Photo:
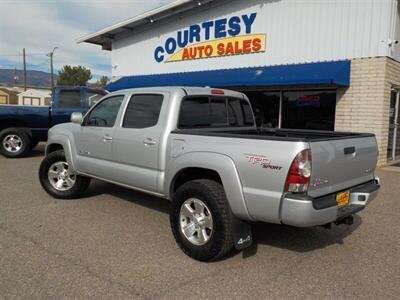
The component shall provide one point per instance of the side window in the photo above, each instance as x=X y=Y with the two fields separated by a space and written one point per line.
x=143 y=111
x=195 y=112
x=105 y=113
x=91 y=98
x=69 y=98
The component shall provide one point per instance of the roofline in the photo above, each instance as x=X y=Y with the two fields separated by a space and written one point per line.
x=144 y=15
x=104 y=35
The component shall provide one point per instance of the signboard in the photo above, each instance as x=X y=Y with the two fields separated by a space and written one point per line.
x=211 y=39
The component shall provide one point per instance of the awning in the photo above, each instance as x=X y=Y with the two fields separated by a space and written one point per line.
x=335 y=73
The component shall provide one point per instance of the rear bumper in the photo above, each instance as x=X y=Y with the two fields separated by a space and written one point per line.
x=305 y=211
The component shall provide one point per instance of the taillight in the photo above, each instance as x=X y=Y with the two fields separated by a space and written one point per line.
x=299 y=175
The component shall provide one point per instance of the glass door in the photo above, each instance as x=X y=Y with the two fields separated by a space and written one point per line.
x=393 y=152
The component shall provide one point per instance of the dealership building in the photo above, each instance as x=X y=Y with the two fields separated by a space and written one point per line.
x=308 y=64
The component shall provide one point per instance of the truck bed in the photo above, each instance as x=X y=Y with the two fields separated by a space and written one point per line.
x=294 y=135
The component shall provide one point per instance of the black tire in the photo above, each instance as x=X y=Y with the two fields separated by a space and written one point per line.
x=24 y=138
x=76 y=191
x=34 y=143
x=213 y=195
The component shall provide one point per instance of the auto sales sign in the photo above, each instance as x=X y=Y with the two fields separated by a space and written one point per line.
x=217 y=38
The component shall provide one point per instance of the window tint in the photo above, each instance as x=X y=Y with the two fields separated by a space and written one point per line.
x=105 y=113
x=68 y=98
x=195 y=112
x=92 y=98
x=143 y=111
x=217 y=112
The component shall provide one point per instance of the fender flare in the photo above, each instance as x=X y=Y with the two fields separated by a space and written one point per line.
x=220 y=163
x=63 y=140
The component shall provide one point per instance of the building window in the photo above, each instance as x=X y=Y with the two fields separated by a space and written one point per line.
x=266 y=108
x=294 y=109
x=309 y=110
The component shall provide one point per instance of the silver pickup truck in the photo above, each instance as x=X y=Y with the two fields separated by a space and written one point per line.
x=200 y=148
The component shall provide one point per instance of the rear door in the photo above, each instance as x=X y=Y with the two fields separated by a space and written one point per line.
x=136 y=144
x=338 y=164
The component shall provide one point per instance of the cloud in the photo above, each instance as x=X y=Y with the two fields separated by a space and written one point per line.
x=41 y=25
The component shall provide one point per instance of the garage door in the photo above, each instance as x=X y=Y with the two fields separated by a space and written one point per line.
x=3 y=99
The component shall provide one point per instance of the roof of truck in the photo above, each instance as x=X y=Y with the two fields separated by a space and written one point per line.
x=188 y=90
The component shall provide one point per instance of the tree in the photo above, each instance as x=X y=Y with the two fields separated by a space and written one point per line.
x=74 y=76
x=102 y=82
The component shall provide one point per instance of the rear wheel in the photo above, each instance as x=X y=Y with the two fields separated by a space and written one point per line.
x=57 y=178
x=201 y=220
x=15 y=142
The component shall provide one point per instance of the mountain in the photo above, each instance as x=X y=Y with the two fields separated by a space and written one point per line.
x=34 y=78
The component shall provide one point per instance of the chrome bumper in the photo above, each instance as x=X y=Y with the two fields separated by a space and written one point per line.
x=304 y=211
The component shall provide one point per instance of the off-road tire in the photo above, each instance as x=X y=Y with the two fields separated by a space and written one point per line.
x=78 y=189
x=25 y=138
x=213 y=195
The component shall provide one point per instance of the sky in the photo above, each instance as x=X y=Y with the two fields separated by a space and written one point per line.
x=40 y=25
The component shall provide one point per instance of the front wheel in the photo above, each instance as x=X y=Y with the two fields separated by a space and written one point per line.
x=57 y=178
x=201 y=220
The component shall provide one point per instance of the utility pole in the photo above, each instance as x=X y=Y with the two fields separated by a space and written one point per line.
x=15 y=76
x=23 y=53
x=51 y=54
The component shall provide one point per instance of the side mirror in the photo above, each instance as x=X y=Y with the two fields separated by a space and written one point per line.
x=77 y=118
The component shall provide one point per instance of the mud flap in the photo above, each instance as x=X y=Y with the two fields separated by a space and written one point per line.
x=242 y=234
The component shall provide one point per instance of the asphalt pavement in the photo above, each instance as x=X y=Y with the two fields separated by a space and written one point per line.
x=117 y=244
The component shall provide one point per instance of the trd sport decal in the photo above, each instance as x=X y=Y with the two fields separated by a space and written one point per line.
x=263 y=161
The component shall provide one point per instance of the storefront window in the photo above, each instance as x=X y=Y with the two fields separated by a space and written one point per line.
x=266 y=108
x=313 y=110
x=309 y=110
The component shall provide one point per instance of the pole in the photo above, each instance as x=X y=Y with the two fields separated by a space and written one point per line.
x=52 y=70
x=15 y=77
x=23 y=53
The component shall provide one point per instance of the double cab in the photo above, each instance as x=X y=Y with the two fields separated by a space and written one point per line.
x=200 y=149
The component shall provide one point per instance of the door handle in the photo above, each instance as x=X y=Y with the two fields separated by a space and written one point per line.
x=149 y=142
x=107 y=138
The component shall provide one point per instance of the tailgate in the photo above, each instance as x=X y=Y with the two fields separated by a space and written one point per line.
x=342 y=163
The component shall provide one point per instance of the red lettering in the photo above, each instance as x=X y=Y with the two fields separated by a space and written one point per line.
x=247 y=46
x=238 y=49
x=201 y=49
x=221 y=49
x=185 y=54
x=193 y=53
x=208 y=50
x=257 y=45
x=229 y=49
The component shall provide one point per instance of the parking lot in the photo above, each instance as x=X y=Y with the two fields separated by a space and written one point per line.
x=116 y=243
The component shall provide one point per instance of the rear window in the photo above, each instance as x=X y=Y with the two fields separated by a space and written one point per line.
x=197 y=112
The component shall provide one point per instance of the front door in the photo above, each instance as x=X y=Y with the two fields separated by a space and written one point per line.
x=94 y=139
x=136 y=143
x=394 y=126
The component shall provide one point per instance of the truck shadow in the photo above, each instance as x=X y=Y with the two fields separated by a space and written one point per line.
x=299 y=239
x=38 y=150
x=275 y=235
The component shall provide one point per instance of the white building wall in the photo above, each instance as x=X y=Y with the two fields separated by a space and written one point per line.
x=298 y=31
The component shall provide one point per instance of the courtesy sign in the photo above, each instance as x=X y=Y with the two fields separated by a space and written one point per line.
x=218 y=38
